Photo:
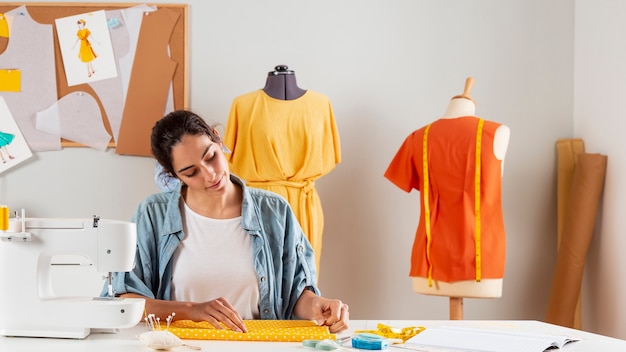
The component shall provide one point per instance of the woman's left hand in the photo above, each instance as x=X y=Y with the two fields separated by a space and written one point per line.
x=324 y=311
x=332 y=313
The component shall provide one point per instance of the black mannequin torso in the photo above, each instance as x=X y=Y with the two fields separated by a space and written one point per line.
x=281 y=84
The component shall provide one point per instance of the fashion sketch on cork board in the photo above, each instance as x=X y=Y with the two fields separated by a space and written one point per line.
x=13 y=146
x=86 y=48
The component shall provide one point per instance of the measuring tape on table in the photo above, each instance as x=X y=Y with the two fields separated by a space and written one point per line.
x=394 y=333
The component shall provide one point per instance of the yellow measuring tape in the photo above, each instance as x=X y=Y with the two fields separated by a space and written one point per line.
x=389 y=332
x=427 y=204
x=479 y=138
x=425 y=193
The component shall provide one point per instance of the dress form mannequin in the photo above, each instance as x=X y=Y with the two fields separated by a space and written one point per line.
x=459 y=106
x=281 y=84
x=464 y=105
x=283 y=139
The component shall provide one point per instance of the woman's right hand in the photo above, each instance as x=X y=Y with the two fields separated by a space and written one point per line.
x=215 y=312
x=218 y=311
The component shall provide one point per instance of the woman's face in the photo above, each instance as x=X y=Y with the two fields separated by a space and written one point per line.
x=200 y=163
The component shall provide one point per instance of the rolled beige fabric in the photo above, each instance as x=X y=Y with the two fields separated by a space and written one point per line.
x=567 y=156
x=578 y=227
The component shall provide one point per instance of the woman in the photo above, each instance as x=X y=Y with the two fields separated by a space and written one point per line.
x=215 y=250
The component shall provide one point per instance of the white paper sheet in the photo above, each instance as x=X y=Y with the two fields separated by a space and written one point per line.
x=483 y=340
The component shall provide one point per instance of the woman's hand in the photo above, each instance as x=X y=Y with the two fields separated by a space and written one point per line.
x=324 y=311
x=332 y=313
x=217 y=311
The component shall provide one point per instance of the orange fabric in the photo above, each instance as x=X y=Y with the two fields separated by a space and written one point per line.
x=258 y=330
x=452 y=169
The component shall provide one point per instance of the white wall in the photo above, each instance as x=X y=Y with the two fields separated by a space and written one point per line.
x=599 y=118
x=389 y=67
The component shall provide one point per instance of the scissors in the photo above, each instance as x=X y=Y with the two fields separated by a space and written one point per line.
x=326 y=344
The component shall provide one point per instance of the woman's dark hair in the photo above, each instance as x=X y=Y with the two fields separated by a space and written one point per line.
x=170 y=130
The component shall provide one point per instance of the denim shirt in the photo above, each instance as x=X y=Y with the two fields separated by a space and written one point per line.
x=283 y=257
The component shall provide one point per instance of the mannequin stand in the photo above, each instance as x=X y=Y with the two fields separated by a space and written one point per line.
x=464 y=106
x=456 y=308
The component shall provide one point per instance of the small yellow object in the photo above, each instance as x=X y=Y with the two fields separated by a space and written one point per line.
x=4 y=218
x=4 y=26
x=394 y=333
x=10 y=80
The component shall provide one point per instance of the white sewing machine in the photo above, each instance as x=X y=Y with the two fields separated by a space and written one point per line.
x=29 y=305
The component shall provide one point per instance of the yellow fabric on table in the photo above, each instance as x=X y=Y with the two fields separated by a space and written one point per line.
x=258 y=330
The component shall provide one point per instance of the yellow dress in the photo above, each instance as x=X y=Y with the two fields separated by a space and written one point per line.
x=284 y=146
x=85 y=53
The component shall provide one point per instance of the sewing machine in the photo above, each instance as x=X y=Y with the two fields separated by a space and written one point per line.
x=29 y=305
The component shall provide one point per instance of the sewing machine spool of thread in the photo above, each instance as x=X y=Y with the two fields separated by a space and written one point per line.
x=16 y=223
x=4 y=218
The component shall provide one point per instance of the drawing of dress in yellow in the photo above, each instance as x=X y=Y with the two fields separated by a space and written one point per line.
x=284 y=146
x=85 y=53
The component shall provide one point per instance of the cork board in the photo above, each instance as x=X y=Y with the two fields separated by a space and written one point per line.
x=46 y=13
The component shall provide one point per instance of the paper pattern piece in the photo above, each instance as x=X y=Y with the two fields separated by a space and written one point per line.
x=13 y=147
x=75 y=117
x=258 y=330
x=149 y=84
x=124 y=35
x=132 y=18
x=110 y=91
x=10 y=80
x=31 y=50
x=86 y=47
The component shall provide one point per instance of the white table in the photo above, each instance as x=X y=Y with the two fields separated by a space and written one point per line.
x=126 y=340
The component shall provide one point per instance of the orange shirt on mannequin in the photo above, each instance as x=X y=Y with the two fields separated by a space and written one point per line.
x=452 y=170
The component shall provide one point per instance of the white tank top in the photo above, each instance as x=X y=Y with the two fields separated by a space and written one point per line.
x=214 y=260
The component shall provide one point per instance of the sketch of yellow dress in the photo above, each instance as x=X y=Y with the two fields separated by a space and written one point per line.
x=86 y=53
